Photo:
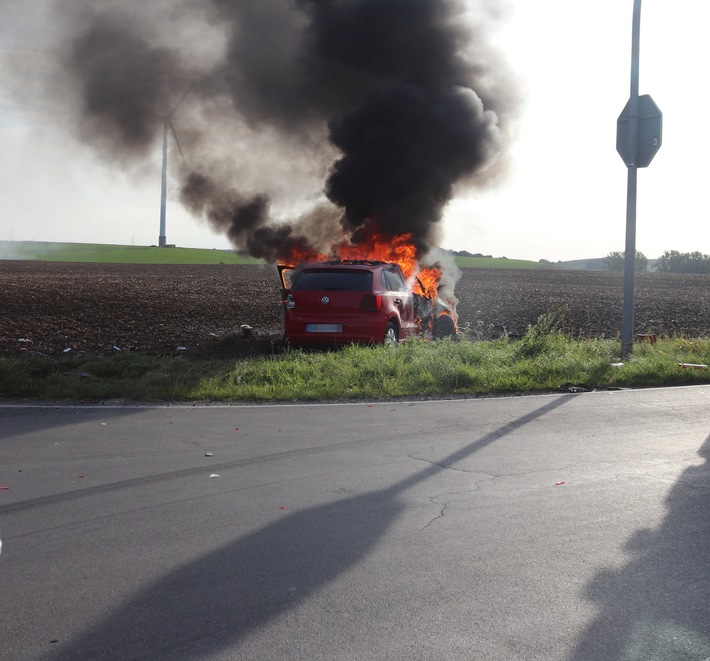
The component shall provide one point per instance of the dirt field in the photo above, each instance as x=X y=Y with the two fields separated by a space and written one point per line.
x=51 y=307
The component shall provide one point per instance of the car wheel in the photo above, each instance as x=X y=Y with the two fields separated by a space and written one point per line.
x=391 y=335
x=444 y=327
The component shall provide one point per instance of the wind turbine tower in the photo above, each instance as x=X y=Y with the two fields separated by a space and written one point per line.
x=162 y=238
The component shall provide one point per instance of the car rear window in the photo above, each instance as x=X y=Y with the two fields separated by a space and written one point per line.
x=333 y=280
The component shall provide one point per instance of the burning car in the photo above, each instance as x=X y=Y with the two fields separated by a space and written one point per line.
x=359 y=301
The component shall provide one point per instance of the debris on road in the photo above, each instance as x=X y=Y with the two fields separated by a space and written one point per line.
x=214 y=475
x=209 y=454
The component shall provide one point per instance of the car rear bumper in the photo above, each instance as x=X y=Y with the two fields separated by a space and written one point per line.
x=360 y=331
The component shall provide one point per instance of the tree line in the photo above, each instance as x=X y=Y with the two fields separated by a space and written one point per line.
x=671 y=261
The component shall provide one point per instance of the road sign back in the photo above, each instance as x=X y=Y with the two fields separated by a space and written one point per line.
x=649 y=133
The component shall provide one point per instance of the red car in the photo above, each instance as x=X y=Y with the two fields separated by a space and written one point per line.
x=343 y=301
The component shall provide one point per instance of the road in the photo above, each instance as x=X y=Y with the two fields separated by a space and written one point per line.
x=570 y=526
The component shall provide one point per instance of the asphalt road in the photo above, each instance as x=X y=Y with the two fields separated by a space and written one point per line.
x=563 y=526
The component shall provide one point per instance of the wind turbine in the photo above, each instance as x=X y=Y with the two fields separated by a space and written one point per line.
x=162 y=239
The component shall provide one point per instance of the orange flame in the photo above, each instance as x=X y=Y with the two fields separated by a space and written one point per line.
x=428 y=282
x=379 y=247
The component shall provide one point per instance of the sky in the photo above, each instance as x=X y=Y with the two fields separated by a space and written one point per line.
x=563 y=196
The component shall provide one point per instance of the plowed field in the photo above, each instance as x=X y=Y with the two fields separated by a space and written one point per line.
x=102 y=308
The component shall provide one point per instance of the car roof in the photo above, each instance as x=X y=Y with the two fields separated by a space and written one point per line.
x=335 y=263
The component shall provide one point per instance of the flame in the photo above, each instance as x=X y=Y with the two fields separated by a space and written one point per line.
x=398 y=249
x=427 y=282
x=380 y=247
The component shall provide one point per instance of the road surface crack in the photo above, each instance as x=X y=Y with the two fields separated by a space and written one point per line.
x=440 y=516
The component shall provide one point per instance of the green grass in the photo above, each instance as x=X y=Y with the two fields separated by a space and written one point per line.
x=494 y=263
x=116 y=254
x=45 y=251
x=537 y=363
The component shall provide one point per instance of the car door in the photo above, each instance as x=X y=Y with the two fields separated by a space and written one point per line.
x=402 y=298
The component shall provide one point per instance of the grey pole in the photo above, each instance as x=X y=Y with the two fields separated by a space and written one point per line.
x=162 y=240
x=627 y=323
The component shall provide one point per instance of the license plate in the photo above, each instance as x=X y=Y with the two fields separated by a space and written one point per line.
x=324 y=328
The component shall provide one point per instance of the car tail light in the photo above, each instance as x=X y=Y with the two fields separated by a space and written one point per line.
x=290 y=302
x=371 y=303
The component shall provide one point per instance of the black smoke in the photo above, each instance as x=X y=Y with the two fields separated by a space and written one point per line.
x=392 y=104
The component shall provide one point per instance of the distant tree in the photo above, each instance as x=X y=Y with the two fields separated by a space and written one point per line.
x=673 y=261
x=614 y=261
x=641 y=261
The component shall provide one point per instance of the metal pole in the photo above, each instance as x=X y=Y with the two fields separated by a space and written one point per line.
x=162 y=239
x=627 y=323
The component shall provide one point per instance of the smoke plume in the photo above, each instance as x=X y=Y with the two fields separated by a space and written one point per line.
x=384 y=107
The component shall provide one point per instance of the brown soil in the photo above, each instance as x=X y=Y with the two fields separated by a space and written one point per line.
x=199 y=310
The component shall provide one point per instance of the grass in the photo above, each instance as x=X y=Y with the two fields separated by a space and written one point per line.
x=495 y=263
x=117 y=254
x=537 y=363
x=44 y=251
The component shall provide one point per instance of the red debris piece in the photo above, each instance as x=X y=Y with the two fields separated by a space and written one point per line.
x=236 y=429
x=282 y=508
x=4 y=488
x=557 y=484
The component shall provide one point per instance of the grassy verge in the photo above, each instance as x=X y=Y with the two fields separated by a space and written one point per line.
x=538 y=362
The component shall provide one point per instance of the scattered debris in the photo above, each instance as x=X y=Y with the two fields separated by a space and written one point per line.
x=646 y=337
x=67 y=350
x=214 y=475
x=23 y=340
x=693 y=366
x=181 y=348
x=574 y=388
x=236 y=429
x=282 y=507
x=209 y=454
x=115 y=348
x=4 y=488
x=617 y=364
x=557 y=484
x=245 y=330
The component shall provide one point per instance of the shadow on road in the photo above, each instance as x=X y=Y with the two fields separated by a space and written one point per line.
x=213 y=602
x=657 y=606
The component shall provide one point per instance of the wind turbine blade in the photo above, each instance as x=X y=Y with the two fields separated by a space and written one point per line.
x=177 y=142
x=182 y=98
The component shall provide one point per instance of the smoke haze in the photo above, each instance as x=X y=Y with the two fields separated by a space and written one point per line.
x=308 y=122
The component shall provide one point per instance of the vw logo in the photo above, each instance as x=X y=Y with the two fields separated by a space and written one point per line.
x=325 y=300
